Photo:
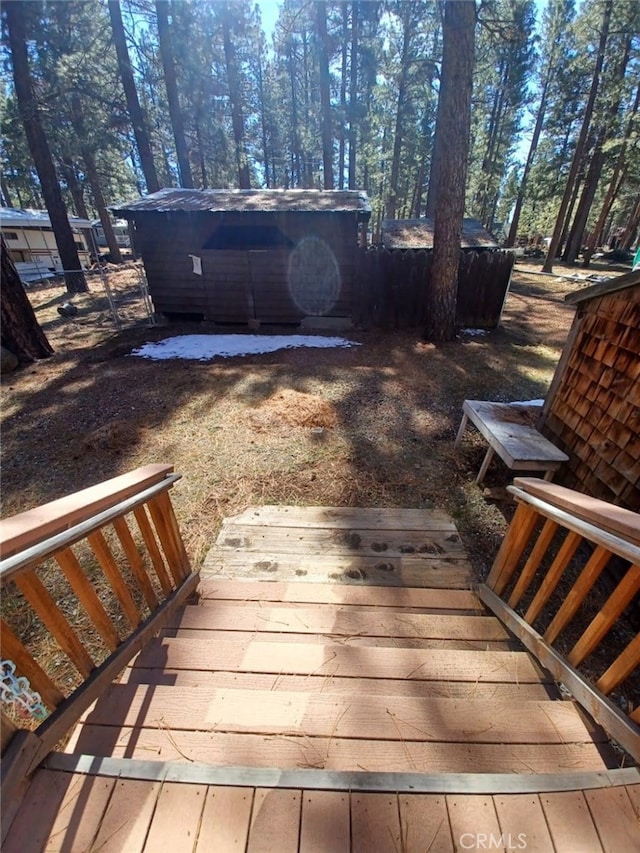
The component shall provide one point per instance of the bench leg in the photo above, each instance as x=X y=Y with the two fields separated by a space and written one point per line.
x=463 y=425
x=548 y=475
x=485 y=464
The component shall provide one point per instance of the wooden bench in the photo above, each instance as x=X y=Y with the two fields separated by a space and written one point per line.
x=510 y=432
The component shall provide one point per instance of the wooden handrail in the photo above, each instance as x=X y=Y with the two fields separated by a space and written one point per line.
x=28 y=528
x=25 y=558
x=543 y=541
x=147 y=573
x=615 y=519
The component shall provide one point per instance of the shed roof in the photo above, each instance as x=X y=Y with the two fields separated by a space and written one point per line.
x=263 y=201
x=418 y=234
x=13 y=217
x=602 y=288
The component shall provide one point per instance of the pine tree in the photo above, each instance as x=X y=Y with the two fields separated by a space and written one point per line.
x=39 y=147
x=454 y=124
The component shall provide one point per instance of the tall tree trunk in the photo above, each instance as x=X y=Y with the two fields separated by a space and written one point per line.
x=533 y=147
x=353 y=96
x=69 y=173
x=325 y=96
x=343 y=96
x=131 y=94
x=584 y=130
x=614 y=183
x=237 y=119
x=631 y=231
x=77 y=119
x=454 y=126
x=263 y=124
x=596 y=165
x=20 y=331
x=175 y=112
x=39 y=148
x=6 y=195
x=392 y=199
x=296 y=174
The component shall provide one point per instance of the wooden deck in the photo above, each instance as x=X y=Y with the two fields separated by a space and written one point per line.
x=386 y=710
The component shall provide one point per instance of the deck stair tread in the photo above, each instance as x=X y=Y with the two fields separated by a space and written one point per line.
x=390 y=547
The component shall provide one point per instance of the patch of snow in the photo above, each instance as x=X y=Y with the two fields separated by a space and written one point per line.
x=528 y=403
x=474 y=331
x=207 y=347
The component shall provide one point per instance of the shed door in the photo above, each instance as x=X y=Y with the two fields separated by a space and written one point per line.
x=270 y=285
x=227 y=281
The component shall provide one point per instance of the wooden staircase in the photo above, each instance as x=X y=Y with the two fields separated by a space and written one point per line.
x=363 y=698
x=340 y=678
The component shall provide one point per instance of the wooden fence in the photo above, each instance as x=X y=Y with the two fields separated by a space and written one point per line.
x=556 y=531
x=391 y=288
x=100 y=571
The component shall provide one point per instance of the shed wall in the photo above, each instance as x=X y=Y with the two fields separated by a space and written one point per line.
x=237 y=285
x=594 y=413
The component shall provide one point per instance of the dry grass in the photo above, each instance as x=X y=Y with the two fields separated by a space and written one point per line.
x=241 y=430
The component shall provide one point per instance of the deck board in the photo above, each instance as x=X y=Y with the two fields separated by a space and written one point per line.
x=615 y=818
x=275 y=821
x=336 y=684
x=570 y=822
x=225 y=820
x=387 y=547
x=425 y=824
x=326 y=822
x=127 y=819
x=338 y=659
x=340 y=754
x=323 y=715
x=176 y=819
x=242 y=591
x=522 y=820
x=305 y=620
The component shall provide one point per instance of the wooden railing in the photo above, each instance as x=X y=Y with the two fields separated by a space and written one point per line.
x=96 y=574
x=541 y=586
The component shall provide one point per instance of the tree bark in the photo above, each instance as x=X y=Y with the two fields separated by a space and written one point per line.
x=69 y=174
x=77 y=119
x=325 y=97
x=454 y=126
x=614 y=183
x=353 y=96
x=6 y=196
x=343 y=97
x=131 y=94
x=595 y=166
x=39 y=148
x=392 y=199
x=533 y=147
x=175 y=112
x=237 y=119
x=584 y=130
x=20 y=330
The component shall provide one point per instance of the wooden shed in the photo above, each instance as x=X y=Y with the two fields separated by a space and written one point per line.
x=241 y=256
x=592 y=410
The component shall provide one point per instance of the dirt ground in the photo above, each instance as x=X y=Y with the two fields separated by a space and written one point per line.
x=393 y=406
x=371 y=425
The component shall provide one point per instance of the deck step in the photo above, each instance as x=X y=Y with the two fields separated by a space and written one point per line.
x=333 y=658
x=345 y=545
x=272 y=619
x=361 y=716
